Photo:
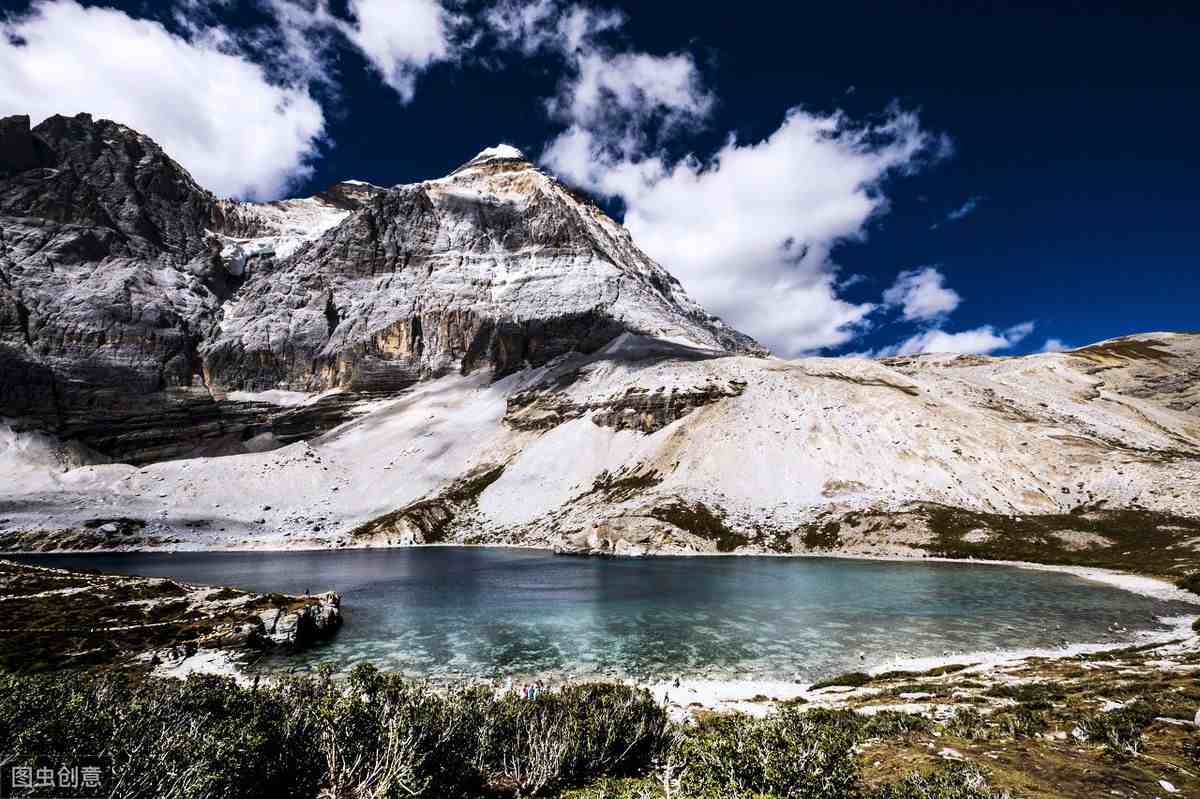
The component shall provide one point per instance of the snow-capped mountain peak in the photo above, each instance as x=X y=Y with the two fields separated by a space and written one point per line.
x=501 y=152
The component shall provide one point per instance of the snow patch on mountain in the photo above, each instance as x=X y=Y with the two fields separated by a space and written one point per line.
x=282 y=228
x=499 y=152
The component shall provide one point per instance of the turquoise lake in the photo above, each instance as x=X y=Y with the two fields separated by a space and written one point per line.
x=452 y=612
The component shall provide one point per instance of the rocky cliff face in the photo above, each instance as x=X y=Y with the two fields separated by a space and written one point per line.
x=149 y=320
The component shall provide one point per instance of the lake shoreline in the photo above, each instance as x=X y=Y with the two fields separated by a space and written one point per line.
x=1154 y=586
x=730 y=692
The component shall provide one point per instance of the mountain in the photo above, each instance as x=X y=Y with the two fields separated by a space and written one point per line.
x=143 y=317
x=488 y=358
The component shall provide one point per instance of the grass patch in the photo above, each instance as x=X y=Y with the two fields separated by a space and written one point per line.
x=1143 y=541
x=620 y=487
x=822 y=536
x=699 y=520
x=852 y=679
x=1036 y=696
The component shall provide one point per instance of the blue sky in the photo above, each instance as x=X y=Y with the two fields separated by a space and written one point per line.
x=850 y=177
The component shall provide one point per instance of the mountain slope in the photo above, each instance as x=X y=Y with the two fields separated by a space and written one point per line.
x=134 y=304
x=650 y=446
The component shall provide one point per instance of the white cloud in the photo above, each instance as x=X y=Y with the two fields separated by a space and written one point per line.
x=979 y=341
x=400 y=38
x=620 y=96
x=531 y=26
x=958 y=213
x=213 y=110
x=1055 y=345
x=750 y=231
x=921 y=294
x=622 y=90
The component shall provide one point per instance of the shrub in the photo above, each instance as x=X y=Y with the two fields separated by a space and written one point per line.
x=581 y=732
x=1035 y=695
x=1120 y=731
x=1021 y=722
x=794 y=754
x=373 y=734
x=853 y=679
x=954 y=781
x=890 y=724
x=968 y=723
x=202 y=737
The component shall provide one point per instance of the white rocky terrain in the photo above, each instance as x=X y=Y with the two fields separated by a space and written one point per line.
x=488 y=358
x=645 y=446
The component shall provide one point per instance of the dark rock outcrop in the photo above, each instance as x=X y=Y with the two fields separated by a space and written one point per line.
x=297 y=629
x=639 y=410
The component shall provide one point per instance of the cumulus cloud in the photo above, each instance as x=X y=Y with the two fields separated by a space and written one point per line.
x=921 y=294
x=623 y=97
x=982 y=340
x=748 y=230
x=213 y=110
x=1055 y=345
x=400 y=38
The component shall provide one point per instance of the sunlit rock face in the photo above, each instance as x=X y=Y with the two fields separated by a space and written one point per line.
x=149 y=320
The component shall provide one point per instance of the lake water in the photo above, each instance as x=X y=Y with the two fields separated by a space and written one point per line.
x=446 y=612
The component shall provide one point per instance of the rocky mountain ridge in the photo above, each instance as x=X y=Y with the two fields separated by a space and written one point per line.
x=133 y=303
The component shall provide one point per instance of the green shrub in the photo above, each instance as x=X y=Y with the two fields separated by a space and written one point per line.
x=853 y=679
x=1120 y=731
x=891 y=724
x=378 y=735
x=793 y=754
x=578 y=733
x=1035 y=695
x=203 y=737
x=954 y=781
x=968 y=723
x=1022 y=721
x=373 y=734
